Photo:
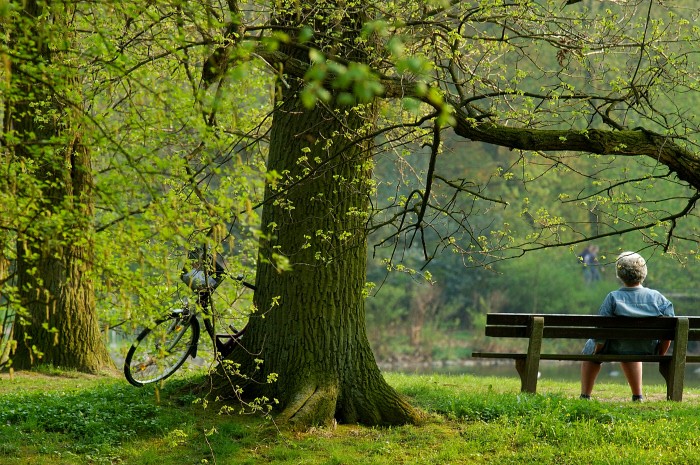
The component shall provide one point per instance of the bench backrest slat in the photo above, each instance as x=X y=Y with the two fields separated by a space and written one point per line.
x=582 y=332
x=515 y=319
x=589 y=326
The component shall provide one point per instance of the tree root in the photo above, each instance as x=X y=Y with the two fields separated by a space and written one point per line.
x=313 y=405
x=320 y=405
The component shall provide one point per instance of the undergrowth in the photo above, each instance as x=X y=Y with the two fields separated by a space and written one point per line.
x=75 y=419
x=105 y=415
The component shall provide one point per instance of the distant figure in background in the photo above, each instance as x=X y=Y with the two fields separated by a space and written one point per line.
x=589 y=259
x=632 y=300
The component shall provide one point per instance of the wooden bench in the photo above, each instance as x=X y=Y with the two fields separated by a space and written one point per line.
x=536 y=327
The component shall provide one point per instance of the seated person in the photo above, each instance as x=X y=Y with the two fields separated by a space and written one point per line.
x=632 y=300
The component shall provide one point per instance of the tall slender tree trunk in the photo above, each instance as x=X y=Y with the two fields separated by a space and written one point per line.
x=5 y=310
x=58 y=324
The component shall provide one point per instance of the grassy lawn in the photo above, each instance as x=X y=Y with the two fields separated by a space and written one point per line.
x=69 y=418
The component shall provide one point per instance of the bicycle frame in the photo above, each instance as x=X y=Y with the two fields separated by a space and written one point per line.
x=206 y=304
x=161 y=349
x=186 y=315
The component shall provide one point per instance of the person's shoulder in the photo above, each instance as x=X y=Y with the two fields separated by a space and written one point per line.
x=608 y=305
x=617 y=294
x=624 y=290
x=659 y=298
x=612 y=294
x=653 y=292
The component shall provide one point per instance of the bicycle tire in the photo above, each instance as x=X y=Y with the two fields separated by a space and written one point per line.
x=158 y=352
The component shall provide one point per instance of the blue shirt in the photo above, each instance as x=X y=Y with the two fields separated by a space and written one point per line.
x=634 y=302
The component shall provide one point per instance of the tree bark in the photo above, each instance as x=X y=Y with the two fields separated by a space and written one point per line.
x=310 y=330
x=58 y=324
x=629 y=143
x=312 y=335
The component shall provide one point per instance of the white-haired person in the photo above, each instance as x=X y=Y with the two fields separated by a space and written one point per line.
x=632 y=300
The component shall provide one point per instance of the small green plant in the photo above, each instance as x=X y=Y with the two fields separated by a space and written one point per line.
x=101 y=417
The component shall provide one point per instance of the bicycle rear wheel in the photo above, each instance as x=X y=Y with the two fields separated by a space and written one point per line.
x=159 y=351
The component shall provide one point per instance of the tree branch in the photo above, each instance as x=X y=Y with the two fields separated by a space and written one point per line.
x=636 y=142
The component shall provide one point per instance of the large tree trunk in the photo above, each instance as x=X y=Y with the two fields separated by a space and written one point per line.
x=58 y=324
x=310 y=330
x=313 y=331
x=61 y=327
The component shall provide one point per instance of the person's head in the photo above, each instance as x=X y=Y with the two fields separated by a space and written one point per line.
x=631 y=268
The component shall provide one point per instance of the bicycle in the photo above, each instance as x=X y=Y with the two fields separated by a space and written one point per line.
x=160 y=350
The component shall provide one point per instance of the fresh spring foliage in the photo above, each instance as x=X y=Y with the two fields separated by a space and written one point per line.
x=163 y=111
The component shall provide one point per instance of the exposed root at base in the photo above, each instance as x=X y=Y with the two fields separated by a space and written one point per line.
x=312 y=406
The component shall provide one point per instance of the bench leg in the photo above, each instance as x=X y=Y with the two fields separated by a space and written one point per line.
x=520 y=366
x=528 y=369
x=673 y=371
x=665 y=370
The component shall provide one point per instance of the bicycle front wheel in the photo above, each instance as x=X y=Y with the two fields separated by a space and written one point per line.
x=159 y=351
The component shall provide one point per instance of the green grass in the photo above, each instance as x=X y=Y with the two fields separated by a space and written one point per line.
x=67 y=418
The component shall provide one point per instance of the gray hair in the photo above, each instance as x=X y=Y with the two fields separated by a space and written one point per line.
x=631 y=268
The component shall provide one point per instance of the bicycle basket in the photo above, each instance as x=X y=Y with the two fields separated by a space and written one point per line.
x=203 y=271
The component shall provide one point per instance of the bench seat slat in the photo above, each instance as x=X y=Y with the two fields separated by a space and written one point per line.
x=578 y=357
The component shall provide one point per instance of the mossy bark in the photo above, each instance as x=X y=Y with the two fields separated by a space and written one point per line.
x=310 y=326
x=627 y=143
x=310 y=329
x=60 y=327
x=58 y=324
